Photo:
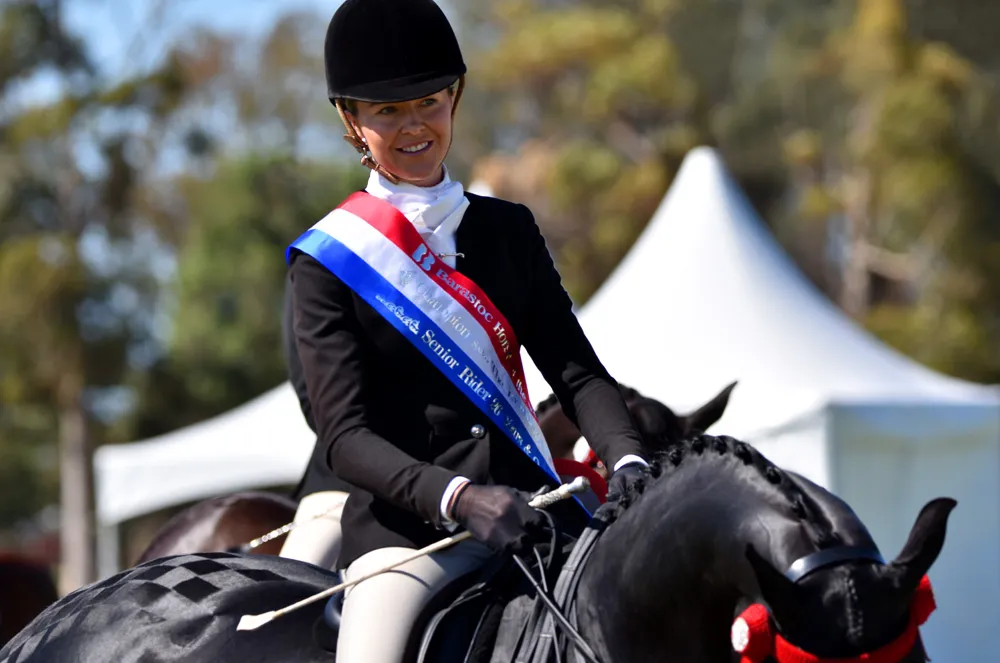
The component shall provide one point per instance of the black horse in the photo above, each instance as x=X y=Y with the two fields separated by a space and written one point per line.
x=720 y=530
x=658 y=425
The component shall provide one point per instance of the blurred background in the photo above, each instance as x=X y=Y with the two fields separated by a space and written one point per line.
x=156 y=156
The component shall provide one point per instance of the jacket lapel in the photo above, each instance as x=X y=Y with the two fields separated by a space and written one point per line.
x=485 y=262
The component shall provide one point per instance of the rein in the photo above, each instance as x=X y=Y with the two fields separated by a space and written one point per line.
x=756 y=639
x=539 y=641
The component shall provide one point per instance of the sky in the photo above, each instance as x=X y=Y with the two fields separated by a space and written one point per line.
x=109 y=28
x=126 y=37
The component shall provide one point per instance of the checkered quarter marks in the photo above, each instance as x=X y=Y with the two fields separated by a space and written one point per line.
x=182 y=601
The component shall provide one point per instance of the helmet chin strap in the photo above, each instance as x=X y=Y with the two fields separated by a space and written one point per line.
x=359 y=144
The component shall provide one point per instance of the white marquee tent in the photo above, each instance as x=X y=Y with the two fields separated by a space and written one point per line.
x=262 y=443
x=705 y=297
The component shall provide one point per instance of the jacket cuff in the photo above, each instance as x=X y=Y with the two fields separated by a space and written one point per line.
x=446 y=498
x=628 y=460
x=435 y=482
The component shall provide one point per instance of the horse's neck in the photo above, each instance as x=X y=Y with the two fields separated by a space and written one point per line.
x=675 y=563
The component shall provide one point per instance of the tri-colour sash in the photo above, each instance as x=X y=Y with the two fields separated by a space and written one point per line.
x=377 y=253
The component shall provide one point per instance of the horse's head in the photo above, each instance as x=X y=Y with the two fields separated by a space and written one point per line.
x=660 y=427
x=848 y=607
x=722 y=538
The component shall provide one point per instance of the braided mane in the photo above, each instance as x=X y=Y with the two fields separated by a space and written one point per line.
x=704 y=448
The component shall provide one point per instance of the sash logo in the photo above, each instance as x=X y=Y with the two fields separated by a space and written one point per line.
x=423 y=257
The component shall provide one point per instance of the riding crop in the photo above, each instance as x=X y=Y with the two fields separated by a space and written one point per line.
x=252 y=622
x=285 y=529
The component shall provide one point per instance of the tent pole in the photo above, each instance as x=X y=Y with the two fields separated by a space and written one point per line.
x=108 y=550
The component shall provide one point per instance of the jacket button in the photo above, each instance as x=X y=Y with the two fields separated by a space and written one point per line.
x=478 y=431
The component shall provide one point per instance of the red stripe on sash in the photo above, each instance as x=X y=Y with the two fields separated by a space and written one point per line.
x=390 y=222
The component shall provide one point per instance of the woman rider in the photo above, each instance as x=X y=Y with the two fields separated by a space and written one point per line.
x=410 y=302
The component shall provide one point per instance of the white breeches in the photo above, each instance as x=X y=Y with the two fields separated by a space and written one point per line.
x=380 y=612
x=316 y=540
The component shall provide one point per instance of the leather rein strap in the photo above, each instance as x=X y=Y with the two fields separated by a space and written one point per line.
x=539 y=643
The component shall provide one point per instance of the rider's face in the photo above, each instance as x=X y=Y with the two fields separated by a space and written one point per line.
x=409 y=138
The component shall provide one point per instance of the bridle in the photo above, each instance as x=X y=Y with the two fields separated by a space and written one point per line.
x=756 y=638
x=754 y=634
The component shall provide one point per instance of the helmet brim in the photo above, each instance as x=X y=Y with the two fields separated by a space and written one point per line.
x=383 y=92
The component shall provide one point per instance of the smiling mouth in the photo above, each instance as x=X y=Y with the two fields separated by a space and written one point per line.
x=419 y=148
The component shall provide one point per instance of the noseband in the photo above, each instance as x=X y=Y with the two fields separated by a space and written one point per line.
x=756 y=638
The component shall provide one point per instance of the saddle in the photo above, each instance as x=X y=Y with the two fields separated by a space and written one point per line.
x=495 y=615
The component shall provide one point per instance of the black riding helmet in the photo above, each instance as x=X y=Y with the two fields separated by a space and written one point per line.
x=390 y=50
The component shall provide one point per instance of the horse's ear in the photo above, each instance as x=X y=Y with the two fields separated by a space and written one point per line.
x=924 y=544
x=781 y=594
x=701 y=419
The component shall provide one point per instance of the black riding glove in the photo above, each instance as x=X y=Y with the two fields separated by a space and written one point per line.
x=628 y=482
x=499 y=517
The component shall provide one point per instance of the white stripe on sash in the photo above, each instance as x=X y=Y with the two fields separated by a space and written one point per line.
x=440 y=306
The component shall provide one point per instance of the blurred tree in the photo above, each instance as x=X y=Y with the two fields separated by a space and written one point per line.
x=870 y=150
x=93 y=213
x=968 y=26
x=75 y=284
x=32 y=38
x=605 y=87
x=890 y=163
x=225 y=345
x=268 y=176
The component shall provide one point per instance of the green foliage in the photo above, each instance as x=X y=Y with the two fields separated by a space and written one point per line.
x=88 y=219
x=908 y=140
x=610 y=95
x=829 y=111
x=946 y=338
x=23 y=488
x=73 y=291
x=542 y=45
x=31 y=37
x=225 y=344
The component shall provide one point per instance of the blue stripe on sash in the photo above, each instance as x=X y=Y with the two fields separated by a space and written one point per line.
x=411 y=322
